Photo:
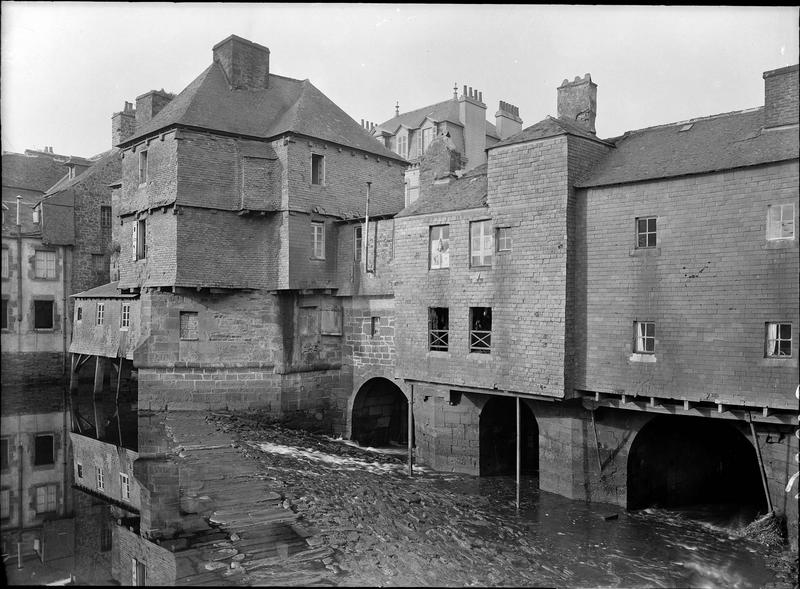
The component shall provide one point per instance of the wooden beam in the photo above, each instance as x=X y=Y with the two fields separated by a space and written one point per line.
x=775 y=417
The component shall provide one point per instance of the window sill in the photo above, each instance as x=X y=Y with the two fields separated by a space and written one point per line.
x=780 y=244
x=44 y=329
x=778 y=362
x=313 y=259
x=639 y=252
x=443 y=268
x=437 y=354
x=645 y=358
x=479 y=268
x=479 y=356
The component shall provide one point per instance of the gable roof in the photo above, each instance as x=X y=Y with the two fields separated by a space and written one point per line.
x=109 y=290
x=467 y=192
x=287 y=105
x=719 y=142
x=548 y=127
x=447 y=110
x=94 y=165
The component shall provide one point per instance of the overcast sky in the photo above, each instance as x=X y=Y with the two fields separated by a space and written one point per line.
x=66 y=67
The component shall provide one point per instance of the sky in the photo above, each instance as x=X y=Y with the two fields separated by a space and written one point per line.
x=67 y=66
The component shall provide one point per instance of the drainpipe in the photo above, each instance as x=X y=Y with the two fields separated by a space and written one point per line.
x=19 y=278
x=365 y=237
x=64 y=253
x=20 y=458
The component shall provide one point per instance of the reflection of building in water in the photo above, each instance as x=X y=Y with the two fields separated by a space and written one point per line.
x=35 y=493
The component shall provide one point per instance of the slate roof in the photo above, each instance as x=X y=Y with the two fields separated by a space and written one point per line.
x=719 y=142
x=287 y=105
x=94 y=164
x=548 y=127
x=467 y=192
x=31 y=172
x=104 y=291
x=441 y=111
x=28 y=227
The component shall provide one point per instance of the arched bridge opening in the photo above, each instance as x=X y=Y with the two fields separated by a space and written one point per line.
x=498 y=438
x=380 y=414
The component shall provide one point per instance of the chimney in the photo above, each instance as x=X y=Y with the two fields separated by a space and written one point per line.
x=780 y=97
x=439 y=163
x=507 y=121
x=472 y=114
x=577 y=102
x=246 y=64
x=149 y=104
x=123 y=124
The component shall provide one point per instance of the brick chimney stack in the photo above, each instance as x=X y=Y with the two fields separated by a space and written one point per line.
x=780 y=96
x=472 y=113
x=123 y=124
x=246 y=64
x=150 y=104
x=577 y=102
x=507 y=120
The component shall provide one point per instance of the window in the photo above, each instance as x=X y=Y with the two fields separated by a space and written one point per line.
x=98 y=263
x=374 y=323
x=427 y=139
x=438 y=328
x=412 y=187
x=318 y=235
x=44 y=264
x=4 y=457
x=481 y=243
x=780 y=221
x=504 y=239
x=79 y=314
x=80 y=470
x=4 y=318
x=98 y=477
x=138 y=573
x=779 y=340
x=43 y=451
x=402 y=145
x=5 y=263
x=5 y=503
x=43 y=314
x=125 y=317
x=105 y=217
x=645 y=232
x=124 y=486
x=189 y=325
x=143 y=167
x=317 y=169
x=101 y=309
x=357 y=243
x=645 y=337
x=440 y=246
x=45 y=499
x=480 y=330
x=105 y=536
x=140 y=239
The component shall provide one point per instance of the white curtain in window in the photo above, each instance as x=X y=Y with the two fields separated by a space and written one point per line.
x=772 y=339
x=640 y=337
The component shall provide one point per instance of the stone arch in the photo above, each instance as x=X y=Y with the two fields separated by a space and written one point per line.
x=378 y=414
x=497 y=438
x=678 y=461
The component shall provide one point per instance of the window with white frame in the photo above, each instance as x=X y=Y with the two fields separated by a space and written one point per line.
x=98 y=478
x=481 y=243
x=645 y=232
x=438 y=328
x=439 y=242
x=44 y=263
x=143 y=167
x=6 y=268
x=317 y=169
x=644 y=337
x=124 y=486
x=318 y=237
x=779 y=340
x=138 y=573
x=45 y=499
x=358 y=232
x=480 y=330
x=101 y=308
x=780 y=221
x=139 y=244
x=504 y=239
x=125 y=317
x=402 y=145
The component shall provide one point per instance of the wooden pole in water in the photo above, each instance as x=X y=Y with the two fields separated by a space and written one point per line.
x=116 y=401
x=410 y=429
x=519 y=449
x=597 y=446
x=760 y=461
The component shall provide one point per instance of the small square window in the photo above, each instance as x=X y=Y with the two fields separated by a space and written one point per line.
x=480 y=331
x=438 y=328
x=101 y=309
x=43 y=314
x=317 y=169
x=481 y=243
x=779 y=340
x=189 y=325
x=143 y=167
x=44 y=264
x=504 y=239
x=644 y=337
x=780 y=221
x=45 y=499
x=44 y=452
x=318 y=237
x=645 y=232
x=125 y=316
x=439 y=246
x=374 y=324
x=105 y=217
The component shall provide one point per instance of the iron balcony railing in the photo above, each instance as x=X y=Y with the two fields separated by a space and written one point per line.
x=480 y=341
x=438 y=339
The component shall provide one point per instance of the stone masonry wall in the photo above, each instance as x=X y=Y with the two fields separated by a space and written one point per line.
x=711 y=285
x=159 y=562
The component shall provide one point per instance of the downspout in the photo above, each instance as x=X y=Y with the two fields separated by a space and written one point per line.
x=19 y=278
x=365 y=233
x=21 y=502
x=66 y=254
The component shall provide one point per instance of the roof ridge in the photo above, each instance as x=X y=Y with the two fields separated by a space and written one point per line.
x=693 y=120
x=416 y=110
